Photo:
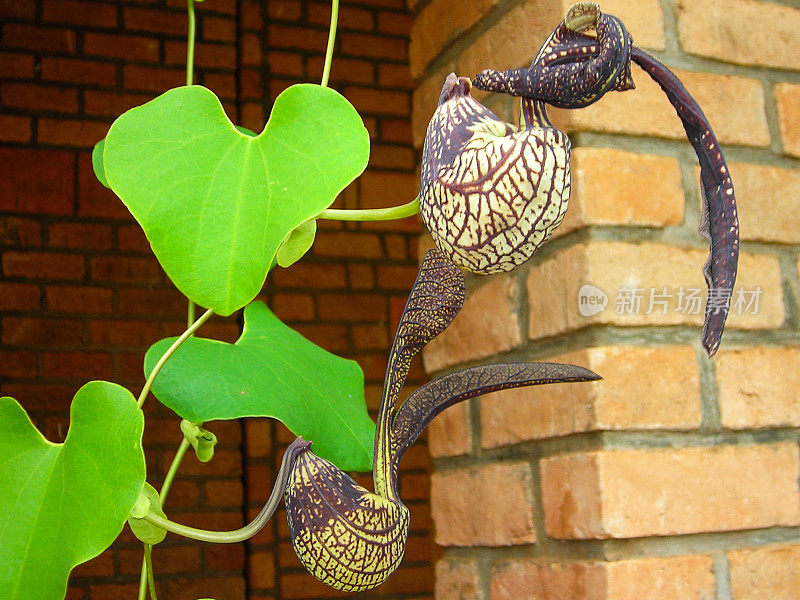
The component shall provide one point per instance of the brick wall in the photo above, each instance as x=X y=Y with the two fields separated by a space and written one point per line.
x=675 y=477
x=82 y=296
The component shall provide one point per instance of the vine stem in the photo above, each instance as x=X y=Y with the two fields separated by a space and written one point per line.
x=372 y=214
x=170 y=351
x=189 y=80
x=190 y=43
x=148 y=560
x=326 y=71
x=229 y=537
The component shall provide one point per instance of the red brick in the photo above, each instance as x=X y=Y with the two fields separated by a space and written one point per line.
x=396 y=24
x=300 y=38
x=128 y=47
x=78 y=299
x=224 y=557
x=348 y=70
x=124 y=268
x=77 y=365
x=374 y=101
x=113 y=591
x=19 y=232
x=17 y=364
x=214 y=56
x=153 y=79
x=285 y=63
x=15 y=129
x=19 y=296
x=17 y=9
x=396 y=130
x=146 y=301
x=79 y=235
x=36 y=181
x=76 y=134
x=155 y=21
x=284 y=10
x=30 y=331
x=224 y=493
x=351 y=307
x=396 y=277
x=34 y=97
x=250 y=14
x=111 y=104
x=395 y=76
x=14 y=65
x=123 y=334
x=219 y=29
x=224 y=85
x=380 y=189
x=361 y=277
x=350 y=17
x=100 y=566
x=79 y=12
x=94 y=200
x=346 y=244
x=43 y=265
x=293 y=307
x=38 y=38
x=75 y=70
x=392 y=157
x=362 y=44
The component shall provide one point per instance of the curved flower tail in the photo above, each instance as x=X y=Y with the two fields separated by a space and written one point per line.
x=432 y=398
x=719 y=223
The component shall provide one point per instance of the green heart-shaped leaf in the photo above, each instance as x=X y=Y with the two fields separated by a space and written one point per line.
x=271 y=371
x=216 y=203
x=63 y=504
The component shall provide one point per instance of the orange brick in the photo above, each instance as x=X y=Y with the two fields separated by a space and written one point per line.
x=457 y=580
x=639 y=493
x=758 y=387
x=554 y=285
x=469 y=511
x=472 y=335
x=437 y=25
x=614 y=187
x=788 y=97
x=380 y=189
x=293 y=307
x=641 y=389
x=740 y=31
x=765 y=196
x=674 y=578
x=734 y=106
x=513 y=41
x=766 y=573
x=643 y=19
x=347 y=244
x=424 y=102
x=450 y=433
